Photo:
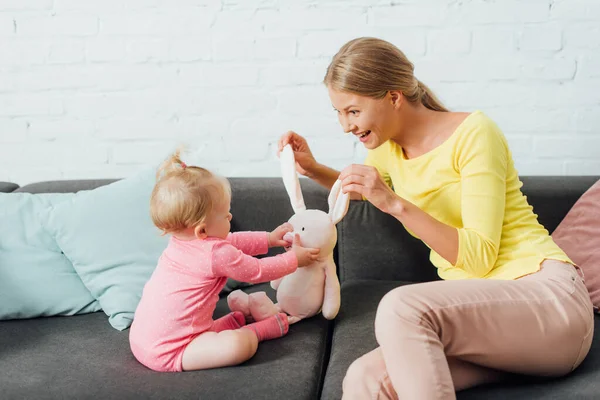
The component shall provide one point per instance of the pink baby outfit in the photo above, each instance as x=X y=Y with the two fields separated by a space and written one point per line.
x=180 y=297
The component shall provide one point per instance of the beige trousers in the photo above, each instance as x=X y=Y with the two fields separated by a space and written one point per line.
x=437 y=338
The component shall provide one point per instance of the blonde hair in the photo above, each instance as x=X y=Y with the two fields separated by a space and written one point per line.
x=372 y=67
x=185 y=195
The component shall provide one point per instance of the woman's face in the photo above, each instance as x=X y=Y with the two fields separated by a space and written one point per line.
x=370 y=120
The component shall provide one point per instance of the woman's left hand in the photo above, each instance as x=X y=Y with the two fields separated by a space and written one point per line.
x=366 y=181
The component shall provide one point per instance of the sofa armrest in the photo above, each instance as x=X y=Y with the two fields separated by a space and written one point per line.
x=375 y=245
x=7 y=187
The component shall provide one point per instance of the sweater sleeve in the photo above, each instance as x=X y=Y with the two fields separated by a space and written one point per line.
x=251 y=243
x=482 y=158
x=231 y=262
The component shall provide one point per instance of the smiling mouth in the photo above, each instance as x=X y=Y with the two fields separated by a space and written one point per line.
x=363 y=135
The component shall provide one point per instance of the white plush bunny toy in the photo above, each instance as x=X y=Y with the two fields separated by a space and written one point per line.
x=314 y=287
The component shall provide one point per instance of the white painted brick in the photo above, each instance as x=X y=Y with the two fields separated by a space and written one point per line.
x=333 y=149
x=231 y=103
x=269 y=168
x=588 y=120
x=19 y=5
x=63 y=24
x=190 y=49
x=195 y=130
x=47 y=78
x=409 y=15
x=61 y=129
x=233 y=50
x=293 y=74
x=455 y=41
x=540 y=37
x=214 y=75
x=208 y=154
x=7 y=26
x=549 y=69
x=159 y=23
x=493 y=40
x=527 y=166
x=18 y=52
x=54 y=153
x=411 y=41
x=466 y=69
x=133 y=4
x=589 y=67
x=29 y=105
x=13 y=130
x=148 y=50
x=582 y=36
x=133 y=78
x=245 y=149
x=249 y=4
x=66 y=52
x=232 y=25
x=575 y=10
x=591 y=168
x=141 y=153
x=305 y=101
x=274 y=48
x=270 y=127
x=521 y=146
x=106 y=49
x=105 y=105
x=515 y=119
x=312 y=19
x=498 y=12
x=568 y=146
x=136 y=129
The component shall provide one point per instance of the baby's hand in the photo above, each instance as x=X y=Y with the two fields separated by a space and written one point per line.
x=305 y=255
x=276 y=237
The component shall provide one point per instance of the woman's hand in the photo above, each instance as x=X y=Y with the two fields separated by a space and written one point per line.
x=366 y=181
x=305 y=161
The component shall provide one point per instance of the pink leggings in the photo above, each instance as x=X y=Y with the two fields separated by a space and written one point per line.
x=436 y=338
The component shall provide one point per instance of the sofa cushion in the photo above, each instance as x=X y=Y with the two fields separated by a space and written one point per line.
x=36 y=279
x=354 y=336
x=83 y=357
x=579 y=236
x=108 y=235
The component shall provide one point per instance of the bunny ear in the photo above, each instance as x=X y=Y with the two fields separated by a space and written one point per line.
x=338 y=202
x=290 y=178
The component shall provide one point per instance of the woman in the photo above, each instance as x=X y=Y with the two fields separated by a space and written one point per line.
x=510 y=299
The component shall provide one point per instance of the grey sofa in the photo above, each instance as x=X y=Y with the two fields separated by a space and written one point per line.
x=82 y=357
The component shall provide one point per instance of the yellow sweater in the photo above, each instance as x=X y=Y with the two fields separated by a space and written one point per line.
x=469 y=182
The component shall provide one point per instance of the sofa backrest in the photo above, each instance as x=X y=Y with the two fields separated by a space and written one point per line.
x=374 y=245
x=257 y=203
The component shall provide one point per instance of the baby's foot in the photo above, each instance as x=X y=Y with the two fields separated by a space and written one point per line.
x=273 y=327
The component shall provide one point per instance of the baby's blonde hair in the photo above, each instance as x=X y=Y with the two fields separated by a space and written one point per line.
x=185 y=195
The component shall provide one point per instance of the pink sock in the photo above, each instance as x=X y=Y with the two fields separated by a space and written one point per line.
x=233 y=320
x=273 y=327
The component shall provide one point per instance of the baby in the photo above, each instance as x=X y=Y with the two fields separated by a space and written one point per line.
x=173 y=328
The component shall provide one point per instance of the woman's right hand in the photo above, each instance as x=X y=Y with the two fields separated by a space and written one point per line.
x=305 y=161
x=305 y=255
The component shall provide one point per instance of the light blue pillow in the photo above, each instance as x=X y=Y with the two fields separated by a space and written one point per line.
x=108 y=235
x=36 y=279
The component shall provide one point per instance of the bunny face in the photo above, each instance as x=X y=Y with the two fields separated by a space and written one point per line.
x=315 y=229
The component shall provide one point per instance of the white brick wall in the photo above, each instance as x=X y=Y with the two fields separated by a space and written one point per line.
x=101 y=88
